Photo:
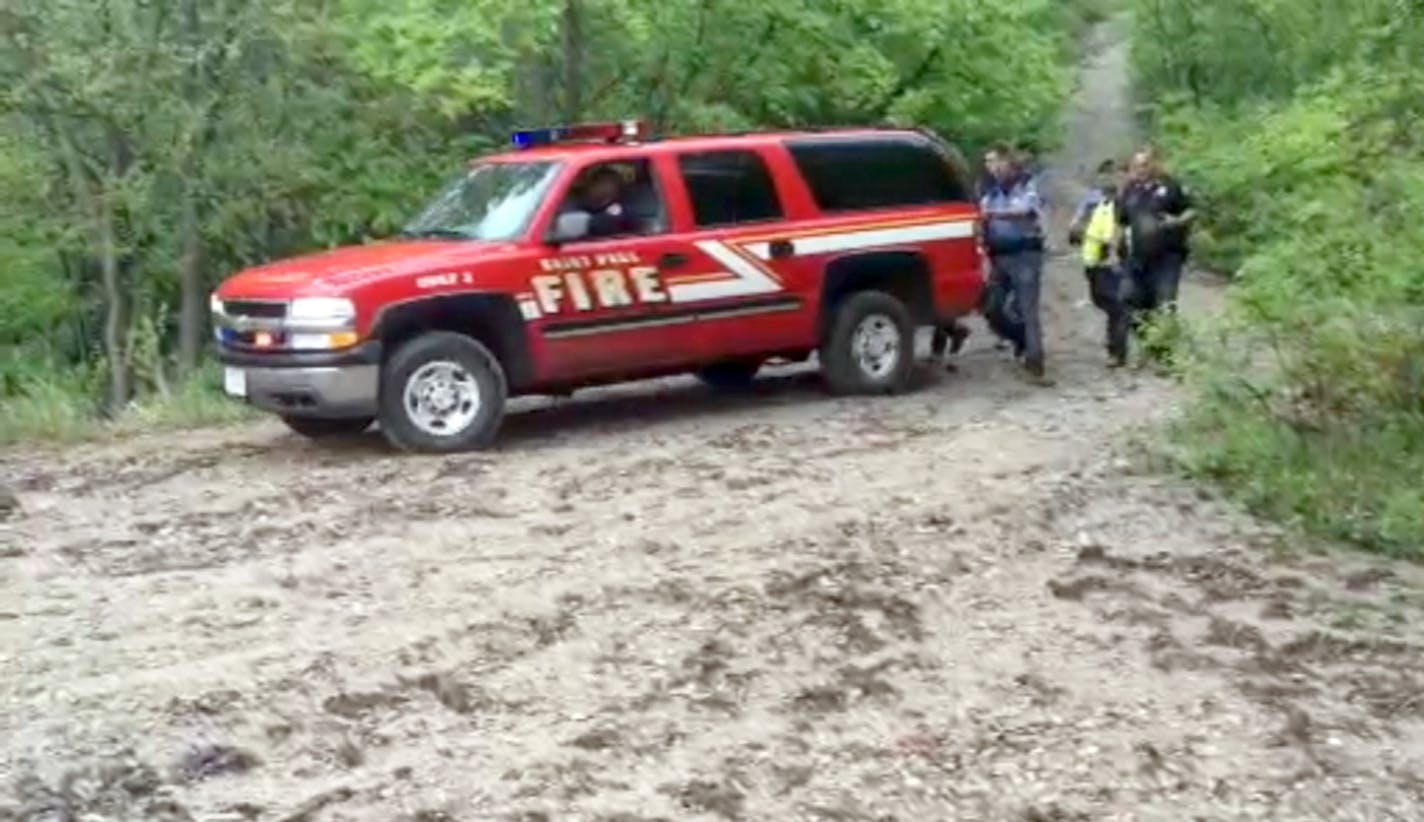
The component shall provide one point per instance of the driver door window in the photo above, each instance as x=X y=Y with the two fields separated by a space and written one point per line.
x=621 y=200
x=606 y=303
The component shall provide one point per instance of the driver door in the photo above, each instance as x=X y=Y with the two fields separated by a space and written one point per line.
x=602 y=301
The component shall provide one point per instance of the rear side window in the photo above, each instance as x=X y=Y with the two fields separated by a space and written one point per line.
x=847 y=175
x=729 y=187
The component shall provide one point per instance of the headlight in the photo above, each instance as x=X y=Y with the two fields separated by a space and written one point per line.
x=324 y=310
x=214 y=304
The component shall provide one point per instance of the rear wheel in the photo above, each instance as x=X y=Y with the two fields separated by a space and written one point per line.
x=869 y=349
x=320 y=428
x=442 y=392
x=732 y=375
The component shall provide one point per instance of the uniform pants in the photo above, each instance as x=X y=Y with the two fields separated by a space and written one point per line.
x=1154 y=284
x=1107 y=285
x=1018 y=276
x=1154 y=293
x=1000 y=312
x=942 y=335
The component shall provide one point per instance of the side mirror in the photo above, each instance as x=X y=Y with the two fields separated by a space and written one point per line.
x=570 y=226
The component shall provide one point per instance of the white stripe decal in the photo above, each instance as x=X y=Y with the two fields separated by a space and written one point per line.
x=856 y=240
x=749 y=281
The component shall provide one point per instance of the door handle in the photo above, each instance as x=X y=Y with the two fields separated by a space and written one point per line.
x=780 y=249
x=672 y=260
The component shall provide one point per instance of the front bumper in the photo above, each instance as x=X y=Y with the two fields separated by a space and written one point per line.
x=333 y=385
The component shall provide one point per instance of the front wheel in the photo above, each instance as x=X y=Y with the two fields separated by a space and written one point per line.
x=321 y=428
x=442 y=392
x=869 y=349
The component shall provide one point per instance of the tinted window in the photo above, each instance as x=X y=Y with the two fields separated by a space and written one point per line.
x=729 y=187
x=882 y=173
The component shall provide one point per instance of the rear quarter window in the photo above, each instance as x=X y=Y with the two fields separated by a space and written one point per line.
x=729 y=188
x=851 y=175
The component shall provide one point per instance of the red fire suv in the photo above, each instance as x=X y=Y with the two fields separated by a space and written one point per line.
x=589 y=255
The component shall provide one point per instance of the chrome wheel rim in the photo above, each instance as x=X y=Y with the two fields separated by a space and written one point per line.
x=875 y=343
x=442 y=398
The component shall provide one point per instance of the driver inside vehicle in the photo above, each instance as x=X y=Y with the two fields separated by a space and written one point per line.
x=600 y=195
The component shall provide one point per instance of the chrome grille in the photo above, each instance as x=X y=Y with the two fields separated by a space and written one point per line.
x=256 y=309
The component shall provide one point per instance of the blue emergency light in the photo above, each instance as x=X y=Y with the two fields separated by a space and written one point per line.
x=629 y=130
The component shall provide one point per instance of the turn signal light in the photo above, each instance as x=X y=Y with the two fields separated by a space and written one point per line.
x=323 y=342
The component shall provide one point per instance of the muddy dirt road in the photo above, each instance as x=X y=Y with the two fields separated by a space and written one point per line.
x=966 y=603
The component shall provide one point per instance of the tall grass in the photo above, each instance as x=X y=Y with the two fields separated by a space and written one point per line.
x=61 y=407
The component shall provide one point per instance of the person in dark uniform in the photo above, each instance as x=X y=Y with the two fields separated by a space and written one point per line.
x=1013 y=215
x=602 y=197
x=996 y=302
x=1156 y=213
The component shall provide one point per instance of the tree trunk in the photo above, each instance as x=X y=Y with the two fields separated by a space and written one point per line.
x=116 y=307
x=192 y=325
x=93 y=191
x=573 y=60
x=192 y=311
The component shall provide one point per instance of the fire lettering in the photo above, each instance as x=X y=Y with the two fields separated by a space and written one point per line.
x=599 y=289
x=646 y=283
x=611 y=287
x=576 y=288
x=548 y=288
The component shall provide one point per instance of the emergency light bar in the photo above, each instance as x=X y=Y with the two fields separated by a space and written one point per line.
x=627 y=130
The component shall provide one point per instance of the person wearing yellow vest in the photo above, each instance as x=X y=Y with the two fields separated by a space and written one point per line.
x=1095 y=228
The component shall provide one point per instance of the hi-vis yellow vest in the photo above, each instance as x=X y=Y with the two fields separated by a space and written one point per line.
x=1098 y=236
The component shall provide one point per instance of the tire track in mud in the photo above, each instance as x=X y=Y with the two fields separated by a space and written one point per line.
x=970 y=602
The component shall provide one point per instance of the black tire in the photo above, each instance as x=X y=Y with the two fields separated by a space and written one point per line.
x=839 y=363
x=400 y=423
x=322 y=428
x=733 y=375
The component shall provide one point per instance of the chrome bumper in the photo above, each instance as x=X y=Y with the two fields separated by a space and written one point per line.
x=326 y=391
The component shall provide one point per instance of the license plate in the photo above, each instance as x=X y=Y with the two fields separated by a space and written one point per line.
x=235 y=382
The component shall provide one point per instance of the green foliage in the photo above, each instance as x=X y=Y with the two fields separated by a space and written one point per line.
x=55 y=403
x=34 y=294
x=1310 y=388
x=1227 y=51
x=148 y=149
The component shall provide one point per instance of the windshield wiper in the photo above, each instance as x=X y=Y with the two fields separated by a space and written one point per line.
x=437 y=233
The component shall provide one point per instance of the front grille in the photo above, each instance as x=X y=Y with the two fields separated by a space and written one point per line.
x=249 y=339
x=257 y=309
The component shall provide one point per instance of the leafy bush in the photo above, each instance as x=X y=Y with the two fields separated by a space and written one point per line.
x=1309 y=389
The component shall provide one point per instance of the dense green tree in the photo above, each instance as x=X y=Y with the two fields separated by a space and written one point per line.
x=147 y=149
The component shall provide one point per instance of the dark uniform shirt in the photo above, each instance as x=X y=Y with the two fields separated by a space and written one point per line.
x=1141 y=209
x=612 y=220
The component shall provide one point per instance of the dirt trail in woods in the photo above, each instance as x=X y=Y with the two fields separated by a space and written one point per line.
x=649 y=603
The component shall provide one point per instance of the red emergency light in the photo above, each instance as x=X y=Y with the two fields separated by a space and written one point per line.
x=625 y=131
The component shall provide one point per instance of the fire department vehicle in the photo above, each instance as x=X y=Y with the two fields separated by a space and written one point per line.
x=588 y=255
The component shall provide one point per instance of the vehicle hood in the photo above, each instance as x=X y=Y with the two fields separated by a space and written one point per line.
x=341 y=269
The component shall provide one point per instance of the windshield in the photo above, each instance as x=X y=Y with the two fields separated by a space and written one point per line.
x=492 y=201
